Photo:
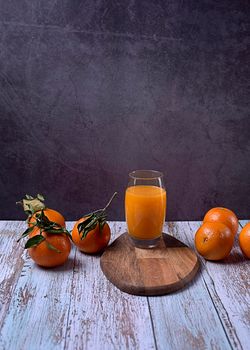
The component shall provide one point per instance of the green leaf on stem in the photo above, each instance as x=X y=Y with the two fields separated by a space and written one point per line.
x=34 y=241
x=43 y=223
x=88 y=225
x=101 y=224
x=51 y=247
x=96 y=217
x=54 y=231
x=26 y=233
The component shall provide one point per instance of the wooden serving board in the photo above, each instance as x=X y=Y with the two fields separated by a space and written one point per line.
x=161 y=270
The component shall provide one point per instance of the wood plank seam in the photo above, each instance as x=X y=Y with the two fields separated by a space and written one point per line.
x=152 y=324
x=218 y=306
x=226 y=321
x=106 y=321
x=71 y=288
x=25 y=296
x=223 y=316
x=197 y=338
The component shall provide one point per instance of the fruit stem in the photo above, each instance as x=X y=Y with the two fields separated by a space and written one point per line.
x=101 y=211
x=109 y=202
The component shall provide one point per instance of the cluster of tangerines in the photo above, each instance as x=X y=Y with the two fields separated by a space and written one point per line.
x=215 y=238
x=49 y=242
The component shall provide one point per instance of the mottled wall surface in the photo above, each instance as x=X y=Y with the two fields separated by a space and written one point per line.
x=90 y=90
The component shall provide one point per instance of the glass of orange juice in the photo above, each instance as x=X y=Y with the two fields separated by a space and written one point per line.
x=145 y=207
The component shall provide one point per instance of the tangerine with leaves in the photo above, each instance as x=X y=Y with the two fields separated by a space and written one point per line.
x=51 y=214
x=244 y=240
x=33 y=206
x=95 y=240
x=214 y=240
x=91 y=234
x=49 y=243
x=44 y=255
x=223 y=215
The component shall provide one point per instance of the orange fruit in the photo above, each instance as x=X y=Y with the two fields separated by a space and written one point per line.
x=91 y=234
x=223 y=215
x=47 y=257
x=214 y=240
x=96 y=239
x=244 y=240
x=32 y=206
x=51 y=214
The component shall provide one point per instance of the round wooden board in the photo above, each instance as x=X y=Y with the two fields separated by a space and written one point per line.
x=162 y=270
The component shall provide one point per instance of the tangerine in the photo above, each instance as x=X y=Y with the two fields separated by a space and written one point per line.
x=244 y=240
x=51 y=252
x=91 y=233
x=51 y=214
x=34 y=205
x=214 y=240
x=95 y=240
x=223 y=215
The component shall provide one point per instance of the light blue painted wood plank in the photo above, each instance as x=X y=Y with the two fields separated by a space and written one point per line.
x=228 y=283
x=38 y=312
x=11 y=262
x=187 y=319
x=103 y=317
x=91 y=313
x=244 y=222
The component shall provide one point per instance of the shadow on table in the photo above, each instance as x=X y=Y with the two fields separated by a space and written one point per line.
x=68 y=266
x=235 y=257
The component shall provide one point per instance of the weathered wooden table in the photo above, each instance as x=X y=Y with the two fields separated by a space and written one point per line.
x=75 y=307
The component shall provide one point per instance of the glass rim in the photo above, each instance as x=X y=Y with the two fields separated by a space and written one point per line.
x=148 y=174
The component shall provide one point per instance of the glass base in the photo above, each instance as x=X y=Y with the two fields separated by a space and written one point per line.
x=145 y=243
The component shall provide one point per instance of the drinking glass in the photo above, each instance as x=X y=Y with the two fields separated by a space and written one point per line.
x=145 y=207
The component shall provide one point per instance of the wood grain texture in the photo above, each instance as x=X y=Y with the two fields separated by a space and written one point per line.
x=38 y=312
x=164 y=269
x=11 y=261
x=187 y=319
x=101 y=316
x=228 y=283
x=76 y=307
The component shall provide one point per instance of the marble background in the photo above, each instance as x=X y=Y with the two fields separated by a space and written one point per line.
x=90 y=90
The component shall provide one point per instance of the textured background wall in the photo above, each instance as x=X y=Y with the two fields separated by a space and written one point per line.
x=90 y=90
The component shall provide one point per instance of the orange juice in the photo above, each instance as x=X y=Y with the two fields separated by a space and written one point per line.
x=145 y=208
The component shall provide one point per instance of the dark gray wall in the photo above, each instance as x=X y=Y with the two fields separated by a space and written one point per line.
x=90 y=90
